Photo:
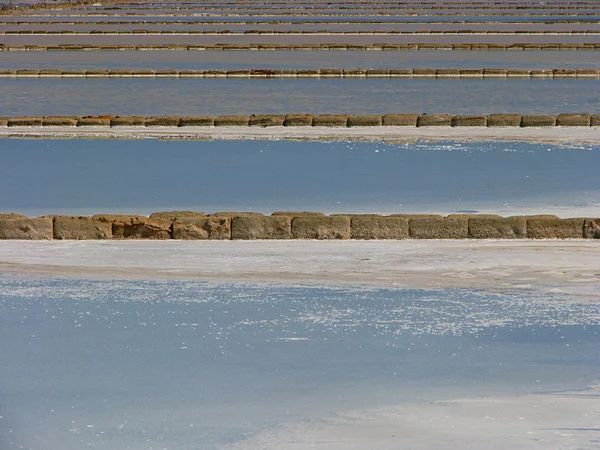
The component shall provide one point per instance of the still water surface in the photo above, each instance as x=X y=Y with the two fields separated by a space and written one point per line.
x=87 y=177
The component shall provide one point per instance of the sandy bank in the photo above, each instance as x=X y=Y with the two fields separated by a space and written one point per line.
x=583 y=135
x=569 y=266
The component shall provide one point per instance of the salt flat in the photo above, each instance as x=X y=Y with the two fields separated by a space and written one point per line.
x=569 y=266
x=580 y=135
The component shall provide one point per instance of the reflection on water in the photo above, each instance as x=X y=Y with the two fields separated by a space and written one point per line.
x=114 y=364
x=216 y=96
x=78 y=176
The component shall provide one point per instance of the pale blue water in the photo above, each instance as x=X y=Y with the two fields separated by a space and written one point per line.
x=90 y=176
x=193 y=96
x=173 y=364
x=296 y=60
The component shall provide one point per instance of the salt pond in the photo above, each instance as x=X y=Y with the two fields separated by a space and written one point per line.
x=190 y=364
x=143 y=176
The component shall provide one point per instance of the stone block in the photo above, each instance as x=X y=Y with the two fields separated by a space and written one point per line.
x=573 y=120
x=469 y=121
x=591 y=229
x=331 y=120
x=26 y=228
x=202 y=228
x=298 y=120
x=25 y=121
x=197 y=121
x=434 y=120
x=261 y=227
x=232 y=121
x=128 y=121
x=314 y=227
x=266 y=120
x=175 y=215
x=400 y=120
x=445 y=228
x=100 y=121
x=378 y=227
x=81 y=228
x=541 y=228
x=504 y=120
x=365 y=120
x=57 y=121
x=162 y=121
x=538 y=121
x=136 y=227
x=497 y=227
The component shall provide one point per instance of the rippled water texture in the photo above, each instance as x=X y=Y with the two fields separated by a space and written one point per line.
x=125 y=364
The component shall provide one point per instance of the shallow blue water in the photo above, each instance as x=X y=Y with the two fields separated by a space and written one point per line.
x=144 y=364
x=294 y=59
x=82 y=176
x=187 y=96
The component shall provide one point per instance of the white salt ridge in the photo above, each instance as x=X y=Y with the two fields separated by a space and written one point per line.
x=537 y=421
x=561 y=266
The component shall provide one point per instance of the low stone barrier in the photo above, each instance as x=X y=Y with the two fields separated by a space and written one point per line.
x=310 y=120
x=304 y=47
x=303 y=32
x=431 y=73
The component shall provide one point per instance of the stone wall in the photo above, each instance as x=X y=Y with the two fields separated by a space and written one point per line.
x=192 y=225
x=309 y=120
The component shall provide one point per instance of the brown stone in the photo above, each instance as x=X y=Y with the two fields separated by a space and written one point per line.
x=128 y=121
x=136 y=227
x=314 y=227
x=57 y=121
x=538 y=121
x=445 y=228
x=25 y=228
x=378 y=227
x=400 y=120
x=331 y=120
x=298 y=120
x=573 y=120
x=469 y=121
x=504 y=120
x=497 y=227
x=540 y=228
x=591 y=229
x=197 y=121
x=434 y=120
x=365 y=120
x=232 y=121
x=201 y=228
x=94 y=122
x=24 y=122
x=66 y=227
x=261 y=227
x=162 y=121
x=266 y=120
x=175 y=215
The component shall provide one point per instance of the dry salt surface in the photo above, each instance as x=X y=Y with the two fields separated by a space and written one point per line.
x=558 y=266
x=565 y=420
x=560 y=135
